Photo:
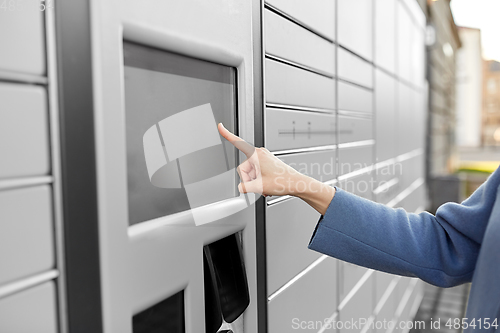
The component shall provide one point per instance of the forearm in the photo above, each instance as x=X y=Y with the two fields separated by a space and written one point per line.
x=373 y=235
x=317 y=194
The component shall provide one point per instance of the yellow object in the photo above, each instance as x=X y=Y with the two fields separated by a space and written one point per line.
x=481 y=166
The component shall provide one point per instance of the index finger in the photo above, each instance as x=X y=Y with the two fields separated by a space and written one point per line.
x=238 y=142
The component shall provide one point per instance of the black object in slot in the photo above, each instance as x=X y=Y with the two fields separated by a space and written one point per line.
x=164 y=317
x=227 y=272
x=213 y=315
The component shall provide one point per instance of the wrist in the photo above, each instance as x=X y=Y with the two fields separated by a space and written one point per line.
x=317 y=194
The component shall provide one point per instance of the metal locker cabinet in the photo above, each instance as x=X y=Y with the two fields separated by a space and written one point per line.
x=318 y=15
x=384 y=282
x=22 y=33
x=289 y=227
x=31 y=310
x=26 y=232
x=358 y=306
x=318 y=165
x=24 y=131
x=354 y=69
x=404 y=39
x=285 y=39
x=385 y=34
x=388 y=309
x=354 y=159
x=355 y=26
x=418 y=56
x=312 y=297
x=287 y=129
x=404 y=125
x=353 y=129
x=360 y=185
x=385 y=119
x=416 y=13
x=388 y=183
x=293 y=86
x=354 y=98
x=351 y=275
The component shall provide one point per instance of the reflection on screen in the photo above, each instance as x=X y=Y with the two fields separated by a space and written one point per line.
x=176 y=159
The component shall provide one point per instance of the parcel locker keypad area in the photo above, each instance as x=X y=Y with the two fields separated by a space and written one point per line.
x=119 y=204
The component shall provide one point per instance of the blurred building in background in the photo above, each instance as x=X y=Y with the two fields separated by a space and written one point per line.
x=491 y=103
x=443 y=43
x=442 y=53
x=469 y=88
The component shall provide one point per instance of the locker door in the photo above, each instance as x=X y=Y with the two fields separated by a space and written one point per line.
x=163 y=75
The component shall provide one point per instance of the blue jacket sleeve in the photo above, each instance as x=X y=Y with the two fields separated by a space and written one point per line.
x=440 y=249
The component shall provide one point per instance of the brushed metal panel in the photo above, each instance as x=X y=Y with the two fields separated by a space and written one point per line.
x=354 y=158
x=294 y=86
x=385 y=34
x=286 y=129
x=354 y=69
x=311 y=298
x=355 y=26
x=26 y=232
x=24 y=132
x=353 y=129
x=354 y=98
x=22 y=32
x=385 y=119
x=32 y=310
x=318 y=14
x=359 y=306
x=404 y=40
x=290 y=41
x=289 y=227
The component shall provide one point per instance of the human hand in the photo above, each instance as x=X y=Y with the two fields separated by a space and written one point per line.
x=262 y=172
x=265 y=174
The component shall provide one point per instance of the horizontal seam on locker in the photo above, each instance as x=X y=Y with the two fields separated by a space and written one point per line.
x=409 y=155
x=25 y=283
x=399 y=158
x=391 y=255
x=355 y=289
x=304 y=150
x=328 y=322
x=406 y=297
x=355 y=54
x=406 y=192
x=360 y=172
x=296 y=21
x=385 y=71
x=297 y=277
x=416 y=304
x=340 y=79
x=358 y=85
x=299 y=66
x=21 y=78
x=386 y=186
x=300 y=108
x=385 y=296
x=355 y=114
x=354 y=144
x=289 y=197
x=410 y=85
x=7 y=184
